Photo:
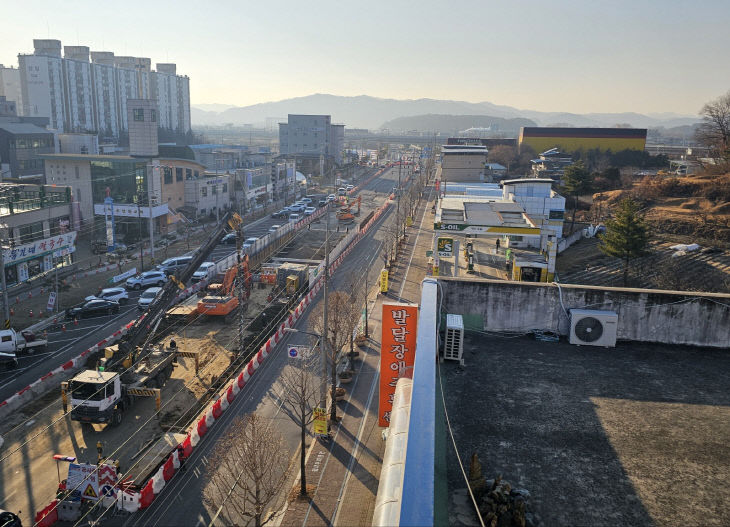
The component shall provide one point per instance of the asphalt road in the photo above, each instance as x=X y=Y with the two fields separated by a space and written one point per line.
x=64 y=345
x=181 y=501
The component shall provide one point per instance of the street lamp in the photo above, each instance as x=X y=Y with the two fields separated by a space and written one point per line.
x=323 y=359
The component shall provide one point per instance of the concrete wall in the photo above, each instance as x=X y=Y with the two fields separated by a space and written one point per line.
x=670 y=317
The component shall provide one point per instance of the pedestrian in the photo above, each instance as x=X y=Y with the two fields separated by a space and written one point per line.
x=497 y=244
x=173 y=344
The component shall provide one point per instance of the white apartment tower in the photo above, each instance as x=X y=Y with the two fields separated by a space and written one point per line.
x=87 y=91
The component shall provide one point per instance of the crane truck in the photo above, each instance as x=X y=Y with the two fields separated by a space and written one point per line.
x=133 y=367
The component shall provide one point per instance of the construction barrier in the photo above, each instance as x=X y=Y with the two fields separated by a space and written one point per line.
x=133 y=501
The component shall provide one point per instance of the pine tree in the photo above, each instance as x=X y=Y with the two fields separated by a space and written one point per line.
x=626 y=236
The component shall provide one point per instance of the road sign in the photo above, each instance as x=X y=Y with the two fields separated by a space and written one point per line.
x=445 y=247
x=319 y=424
x=51 y=301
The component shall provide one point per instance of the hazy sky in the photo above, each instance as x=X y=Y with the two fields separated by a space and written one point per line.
x=578 y=56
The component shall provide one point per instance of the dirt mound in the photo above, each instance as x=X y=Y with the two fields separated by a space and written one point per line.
x=723 y=208
x=692 y=204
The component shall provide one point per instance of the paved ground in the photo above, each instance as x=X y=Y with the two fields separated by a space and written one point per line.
x=635 y=435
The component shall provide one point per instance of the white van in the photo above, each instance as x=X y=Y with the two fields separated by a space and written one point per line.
x=204 y=272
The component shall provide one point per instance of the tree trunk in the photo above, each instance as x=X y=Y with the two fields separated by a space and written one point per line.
x=575 y=208
x=333 y=407
x=302 y=467
x=626 y=272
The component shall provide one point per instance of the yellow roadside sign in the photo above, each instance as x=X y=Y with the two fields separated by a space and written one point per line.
x=319 y=426
x=384 y=281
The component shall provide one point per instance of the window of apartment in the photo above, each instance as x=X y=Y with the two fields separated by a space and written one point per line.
x=178 y=174
x=153 y=115
x=225 y=188
x=31 y=232
x=138 y=114
x=188 y=173
x=168 y=175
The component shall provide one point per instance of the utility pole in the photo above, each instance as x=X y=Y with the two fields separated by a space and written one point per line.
x=149 y=206
x=241 y=289
x=6 y=305
x=141 y=244
x=323 y=347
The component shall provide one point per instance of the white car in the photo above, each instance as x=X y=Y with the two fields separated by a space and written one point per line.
x=118 y=294
x=349 y=187
x=249 y=243
x=146 y=279
x=205 y=271
x=294 y=217
x=331 y=197
x=274 y=228
x=306 y=201
x=149 y=296
x=309 y=211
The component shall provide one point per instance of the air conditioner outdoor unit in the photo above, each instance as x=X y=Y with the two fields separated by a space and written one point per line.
x=454 y=339
x=593 y=328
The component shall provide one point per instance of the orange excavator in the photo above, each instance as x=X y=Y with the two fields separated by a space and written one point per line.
x=222 y=300
x=346 y=215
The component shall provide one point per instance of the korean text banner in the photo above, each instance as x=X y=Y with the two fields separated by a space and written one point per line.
x=397 y=353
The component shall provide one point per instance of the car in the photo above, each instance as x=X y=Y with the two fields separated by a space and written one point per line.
x=118 y=294
x=90 y=308
x=306 y=201
x=322 y=202
x=229 y=239
x=173 y=265
x=148 y=297
x=249 y=242
x=341 y=191
x=283 y=213
x=146 y=279
x=205 y=271
x=309 y=211
x=274 y=228
x=349 y=187
x=294 y=217
x=296 y=208
x=331 y=197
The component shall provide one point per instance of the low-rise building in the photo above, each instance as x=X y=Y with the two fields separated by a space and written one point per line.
x=38 y=225
x=207 y=193
x=551 y=164
x=21 y=145
x=463 y=163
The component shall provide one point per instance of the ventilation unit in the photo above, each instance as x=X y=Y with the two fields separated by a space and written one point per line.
x=454 y=341
x=593 y=328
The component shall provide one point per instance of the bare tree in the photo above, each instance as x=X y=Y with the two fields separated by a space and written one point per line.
x=715 y=128
x=251 y=469
x=300 y=395
x=343 y=314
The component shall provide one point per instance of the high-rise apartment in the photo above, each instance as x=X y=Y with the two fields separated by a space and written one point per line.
x=87 y=91
x=312 y=135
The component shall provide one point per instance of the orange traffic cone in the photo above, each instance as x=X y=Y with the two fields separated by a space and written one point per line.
x=63 y=328
x=41 y=290
x=76 y=321
x=30 y=313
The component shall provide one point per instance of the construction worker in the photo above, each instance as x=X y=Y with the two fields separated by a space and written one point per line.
x=173 y=344
x=497 y=245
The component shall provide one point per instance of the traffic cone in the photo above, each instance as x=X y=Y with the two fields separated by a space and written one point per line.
x=76 y=321
x=17 y=300
x=41 y=290
x=45 y=335
x=30 y=313
x=30 y=294
x=12 y=312
x=63 y=328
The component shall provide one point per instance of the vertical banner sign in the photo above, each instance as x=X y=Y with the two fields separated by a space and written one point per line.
x=319 y=424
x=397 y=352
x=384 y=281
x=51 y=301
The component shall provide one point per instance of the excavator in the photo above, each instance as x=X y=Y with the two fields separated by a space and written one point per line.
x=223 y=300
x=345 y=215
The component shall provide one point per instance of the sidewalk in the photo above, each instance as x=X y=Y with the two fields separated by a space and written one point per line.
x=345 y=472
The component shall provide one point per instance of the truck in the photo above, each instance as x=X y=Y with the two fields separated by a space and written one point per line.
x=134 y=368
x=12 y=345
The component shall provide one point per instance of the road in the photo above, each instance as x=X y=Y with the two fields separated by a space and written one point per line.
x=64 y=345
x=181 y=502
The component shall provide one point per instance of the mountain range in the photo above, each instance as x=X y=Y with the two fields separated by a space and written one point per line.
x=374 y=113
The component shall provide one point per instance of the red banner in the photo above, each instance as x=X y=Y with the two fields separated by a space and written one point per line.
x=397 y=352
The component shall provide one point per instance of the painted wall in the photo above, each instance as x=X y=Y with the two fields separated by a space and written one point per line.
x=670 y=317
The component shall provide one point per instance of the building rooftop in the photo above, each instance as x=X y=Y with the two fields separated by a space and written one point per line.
x=633 y=435
x=22 y=128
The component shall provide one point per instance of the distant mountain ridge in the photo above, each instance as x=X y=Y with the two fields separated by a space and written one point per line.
x=364 y=111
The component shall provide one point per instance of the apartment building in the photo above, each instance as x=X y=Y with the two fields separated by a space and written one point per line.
x=312 y=135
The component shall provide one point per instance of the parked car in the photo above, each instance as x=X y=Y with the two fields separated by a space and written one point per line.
x=294 y=217
x=205 y=271
x=91 y=308
x=146 y=279
x=309 y=211
x=148 y=297
x=173 y=265
x=249 y=243
x=274 y=228
x=229 y=239
x=117 y=294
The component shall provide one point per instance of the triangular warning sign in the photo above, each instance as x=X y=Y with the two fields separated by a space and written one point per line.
x=90 y=492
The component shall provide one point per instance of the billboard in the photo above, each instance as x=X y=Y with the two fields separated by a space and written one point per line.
x=397 y=352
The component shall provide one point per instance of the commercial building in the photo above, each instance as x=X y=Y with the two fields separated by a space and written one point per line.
x=541 y=138
x=207 y=194
x=37 y=228
x=463 y=163
x=21 y=145
x=85 y=91
x=312 y=135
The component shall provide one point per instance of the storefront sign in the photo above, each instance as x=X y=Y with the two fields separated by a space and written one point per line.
x=126 y=210
x=445 y=247
x=38 y=248
x=397 y=352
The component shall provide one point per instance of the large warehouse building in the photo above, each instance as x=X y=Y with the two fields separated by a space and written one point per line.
x=567 y=139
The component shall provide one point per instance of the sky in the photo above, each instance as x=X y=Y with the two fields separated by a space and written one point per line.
x=576 y=56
